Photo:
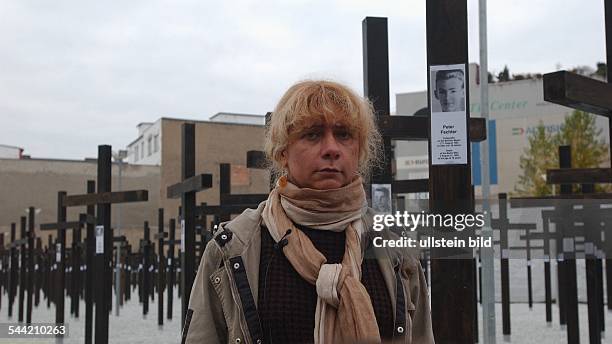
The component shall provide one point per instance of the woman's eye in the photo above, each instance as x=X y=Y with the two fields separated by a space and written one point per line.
x=344 y=135
x=313 y=135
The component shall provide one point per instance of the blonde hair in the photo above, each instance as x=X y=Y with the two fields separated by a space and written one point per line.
x=314 y=101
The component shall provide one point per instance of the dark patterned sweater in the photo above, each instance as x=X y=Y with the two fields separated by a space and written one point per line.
x=287 y=303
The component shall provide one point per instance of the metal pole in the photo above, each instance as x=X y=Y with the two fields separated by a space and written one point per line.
x=487 y=256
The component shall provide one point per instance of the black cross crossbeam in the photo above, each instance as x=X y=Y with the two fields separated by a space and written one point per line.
x=516 y=248
x=256 y=159
x=578 y=215
x=106 y=198
x=120 y=238
x=160 y=235
x=497 y=223
x=413 y=128
x=192 y=184
x=61 y=225
x=410 y=186
x=18 y=242
x=578 y=92
x=557 y=200
x=225 y=195
x=579 y=175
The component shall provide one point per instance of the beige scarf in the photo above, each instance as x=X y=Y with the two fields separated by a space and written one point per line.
x=344 y=312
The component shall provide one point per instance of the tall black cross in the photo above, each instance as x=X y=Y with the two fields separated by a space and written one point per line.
x=161 y=266
x=145 y=249
x=13 y=271
x=103 y=199
x=582 y=93
x=502 y=223
x=564 y=216
x=60 y=253
x=186 y=190
x=22 y=266
x=30 y=264
x=452 y=280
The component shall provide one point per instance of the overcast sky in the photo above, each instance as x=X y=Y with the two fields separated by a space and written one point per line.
x=75 y=74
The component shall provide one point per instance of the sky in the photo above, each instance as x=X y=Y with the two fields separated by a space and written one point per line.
x=76 y=74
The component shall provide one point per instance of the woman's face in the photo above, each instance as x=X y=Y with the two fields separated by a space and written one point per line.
x=323 y=156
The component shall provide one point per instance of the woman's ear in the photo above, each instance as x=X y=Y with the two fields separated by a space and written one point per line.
x=284 y=160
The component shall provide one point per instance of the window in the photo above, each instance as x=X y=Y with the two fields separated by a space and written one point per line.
x=156 y=143
x=136 y=153
x=142 y=149
x=149 y=145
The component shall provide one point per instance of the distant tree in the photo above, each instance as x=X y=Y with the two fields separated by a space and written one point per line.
x=581 y=133
x=602 y=70
x=537 y=157
x=588 y=150
x=504 y=75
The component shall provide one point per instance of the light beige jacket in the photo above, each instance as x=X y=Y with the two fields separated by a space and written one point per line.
x=223 y=302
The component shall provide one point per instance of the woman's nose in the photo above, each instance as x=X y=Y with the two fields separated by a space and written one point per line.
x=331 y=148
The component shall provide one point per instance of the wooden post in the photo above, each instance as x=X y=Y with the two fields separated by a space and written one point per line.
x=30 y=267
x=171 y=275
x=22 y=267
x=505 y=273
x=103 y=240
x=146 y=263
x=450 y=185
x=608 y=17
x=161 y=274
x=89 y=272
x=188 y=187
x=569 y=261
x=592 y=275
x=13 y=272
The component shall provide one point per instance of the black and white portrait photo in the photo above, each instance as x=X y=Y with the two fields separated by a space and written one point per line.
x=381 y=198
x=448 y=87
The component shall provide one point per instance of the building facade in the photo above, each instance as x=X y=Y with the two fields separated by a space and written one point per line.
x=10 y=152
x=146 y=149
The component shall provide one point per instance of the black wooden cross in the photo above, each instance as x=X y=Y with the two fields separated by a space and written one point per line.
x=90 y=247
x=166 y=271
x=103 y=199
x=161 y=266
x=3 y=265
x=60 y=252
x=145 y=249
x=30 y=264
x=502 y=223
x=171 y=263
x=186 y=190
x=564 y=217
x=14 y=271
x=582 y=93
x=38 y=270
x=22 y=266
x=452 y=280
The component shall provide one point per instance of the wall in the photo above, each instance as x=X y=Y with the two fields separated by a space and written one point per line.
x=35 y=182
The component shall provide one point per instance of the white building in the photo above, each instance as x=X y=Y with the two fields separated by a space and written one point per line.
x=515 y=109
x=146 y=149
x=238 y=118
x=10 y=152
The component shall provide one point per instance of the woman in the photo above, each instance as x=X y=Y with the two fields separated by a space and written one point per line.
x=300 y=268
